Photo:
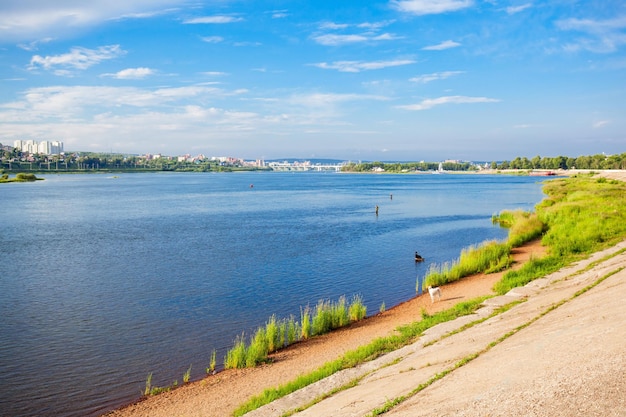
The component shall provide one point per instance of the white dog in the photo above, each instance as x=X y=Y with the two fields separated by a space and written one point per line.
x=434 y=292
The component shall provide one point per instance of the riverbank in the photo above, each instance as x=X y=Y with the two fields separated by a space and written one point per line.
x=221 y=394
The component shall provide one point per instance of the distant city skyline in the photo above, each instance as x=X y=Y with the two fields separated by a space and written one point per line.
x=383 y=80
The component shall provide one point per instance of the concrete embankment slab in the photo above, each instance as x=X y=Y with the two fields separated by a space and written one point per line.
x=570 y=362
x=570 y=351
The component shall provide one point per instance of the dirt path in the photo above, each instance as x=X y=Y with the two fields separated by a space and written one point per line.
x=221 y=394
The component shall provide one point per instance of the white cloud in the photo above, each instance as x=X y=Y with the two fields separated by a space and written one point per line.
x=518 y=9
x=325 y=99
x=280 y=14
x=77 y=58
x=334 y=39
x=604 y=36
x=217 y=19
x=442 y=46
x=34 y=45
x=600 y=123
x=26 y=20
x=214 y=73
x=432 y=102
x=375 y=25
x=212 y=39
x=424 y=7
x=370 y=35
x=131 y=73
x=358 y=66
x=333 y=26
x=67 y=103
x=426 y=78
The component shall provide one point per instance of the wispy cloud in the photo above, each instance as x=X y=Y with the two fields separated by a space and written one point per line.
x=600 y=123
x=325 y=99
x=333 y=26
x=131 y=73
x=33 y=46
x=518 y=9
x=77 y=58
x=442 y=46
x=217 y=19
x=426 y=78
x=358 y=66
x=424 y=7
x=334 y=39
x=65 y=103
x=432 y=102
x=365 y=32
x=280 y=14
x=214 y=73
x=603 y=36
x=212 y=39
x=22 y=21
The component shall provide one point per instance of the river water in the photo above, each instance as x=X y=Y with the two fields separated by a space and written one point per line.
x=107 y=278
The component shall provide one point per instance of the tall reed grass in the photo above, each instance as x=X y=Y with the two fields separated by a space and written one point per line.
x=277 y=334
x=523 y=226
x=490 y=256
x=379 y=346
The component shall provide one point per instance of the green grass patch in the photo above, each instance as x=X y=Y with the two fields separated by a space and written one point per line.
x=277 y=334
x=376 y=348
x=583 y=215
x=531 y=270
x=20 y=177
x=490 y=256
x=523 y=226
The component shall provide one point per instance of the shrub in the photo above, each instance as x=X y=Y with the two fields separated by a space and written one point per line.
x=524 y=226
x=25 y=177
x=236 y=357
x=305 y=321
x=258 y=350
x=340 y=316
x=272 y=333
x=322 y=321
x=293 y=330
x=213 y=362
x=357 y=310
x=187 y=375
x=491 y=256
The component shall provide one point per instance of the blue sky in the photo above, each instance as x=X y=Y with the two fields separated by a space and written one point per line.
x=347 y=79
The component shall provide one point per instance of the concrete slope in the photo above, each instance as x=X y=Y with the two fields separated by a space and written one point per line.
x=555 y=354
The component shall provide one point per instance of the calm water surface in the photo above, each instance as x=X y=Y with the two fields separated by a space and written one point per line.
x=104 y=279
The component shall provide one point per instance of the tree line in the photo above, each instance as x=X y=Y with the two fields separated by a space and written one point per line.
x=599 y=162
x=15 y=160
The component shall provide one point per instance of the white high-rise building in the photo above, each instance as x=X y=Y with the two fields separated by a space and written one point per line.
x=44 y=147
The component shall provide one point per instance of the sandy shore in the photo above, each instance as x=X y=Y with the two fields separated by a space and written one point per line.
x=222 y=393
